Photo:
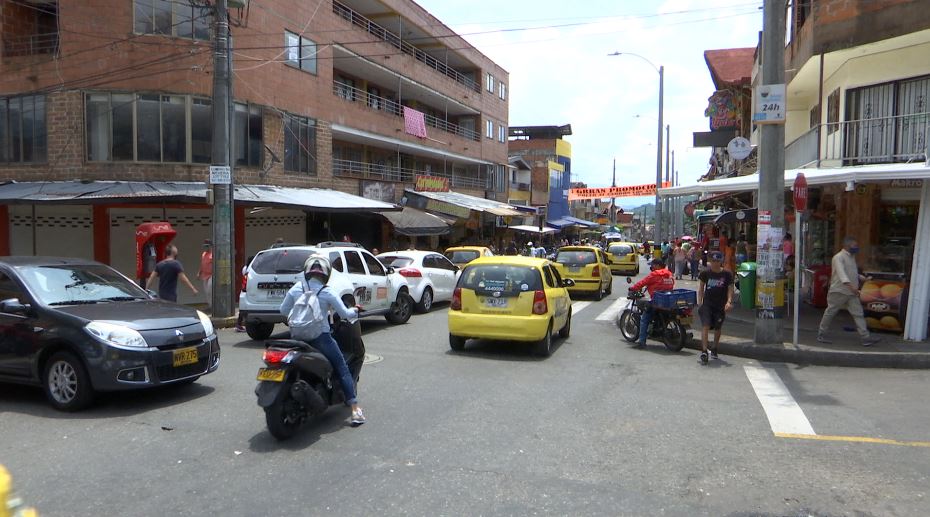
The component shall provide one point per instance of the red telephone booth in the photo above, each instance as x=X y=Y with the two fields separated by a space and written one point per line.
x=151 y=237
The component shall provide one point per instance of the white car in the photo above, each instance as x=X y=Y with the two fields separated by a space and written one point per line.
x=430 y=275
x=358 y=277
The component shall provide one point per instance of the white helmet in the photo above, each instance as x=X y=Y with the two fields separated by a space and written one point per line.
x=529 y=243
x=317 y=266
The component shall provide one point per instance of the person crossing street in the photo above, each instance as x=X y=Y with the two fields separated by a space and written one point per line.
x=715 y=299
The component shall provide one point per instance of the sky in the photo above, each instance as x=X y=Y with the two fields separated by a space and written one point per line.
x=556 y=53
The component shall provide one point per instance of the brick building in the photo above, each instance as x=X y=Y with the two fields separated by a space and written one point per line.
x=320 y=91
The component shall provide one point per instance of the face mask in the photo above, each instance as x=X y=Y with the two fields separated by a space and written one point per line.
x=854 y=249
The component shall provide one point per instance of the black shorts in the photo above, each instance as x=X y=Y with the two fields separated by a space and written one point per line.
x=712 y=317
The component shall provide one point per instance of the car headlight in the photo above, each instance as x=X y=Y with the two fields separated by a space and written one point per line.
x=207 y=324
x=116 y=335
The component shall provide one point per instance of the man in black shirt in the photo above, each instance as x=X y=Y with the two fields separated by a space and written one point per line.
x=715 y=298
x=168 y=272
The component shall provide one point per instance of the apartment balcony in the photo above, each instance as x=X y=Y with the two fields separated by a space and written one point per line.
x=375 y=171
x=391 y=107
x=896 y=139
x=380 y=32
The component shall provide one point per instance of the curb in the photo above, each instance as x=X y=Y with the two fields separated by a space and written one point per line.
x=819 y=357
x=224 y=323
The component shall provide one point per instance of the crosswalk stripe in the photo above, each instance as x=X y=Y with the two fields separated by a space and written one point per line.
x=785 y=415
x=611 y=311
x=579 y=306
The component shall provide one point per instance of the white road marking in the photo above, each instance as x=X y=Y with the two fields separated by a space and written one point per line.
x=611 y=311
x=784 y=414
x=578 y=307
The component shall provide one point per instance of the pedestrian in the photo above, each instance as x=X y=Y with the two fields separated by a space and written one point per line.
x=511 y=248
x=681 y=256
x=844 y=293
x=240 y=318
x=714 y=298
x=167 y=272
x=693 y=258
x=742 y=248
x=206 y=271
x=375 y=251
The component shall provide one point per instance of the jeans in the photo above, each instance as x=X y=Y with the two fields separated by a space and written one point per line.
x=644 y=320
x=328 y=347
x=694 y=269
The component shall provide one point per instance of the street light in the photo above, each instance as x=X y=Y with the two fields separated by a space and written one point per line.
x=661 y=71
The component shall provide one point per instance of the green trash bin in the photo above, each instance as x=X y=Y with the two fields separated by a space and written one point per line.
x=746 y=276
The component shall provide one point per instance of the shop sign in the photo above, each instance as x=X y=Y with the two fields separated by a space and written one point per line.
x=606 y=192
x=907 y=183
x=739 y=148
x=448 y=208
x=723 y=111
x=770 y=104
x=378 y=190
x=431 y=184
x=220 y=175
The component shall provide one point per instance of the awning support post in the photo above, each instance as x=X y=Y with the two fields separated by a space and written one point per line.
x=918 y=305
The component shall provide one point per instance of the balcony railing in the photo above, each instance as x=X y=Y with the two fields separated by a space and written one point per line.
x=389 y=37
x=353 y=94
x=374 y=171
x=894 y=139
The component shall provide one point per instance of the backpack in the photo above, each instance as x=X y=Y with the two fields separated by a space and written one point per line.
x=307 y=318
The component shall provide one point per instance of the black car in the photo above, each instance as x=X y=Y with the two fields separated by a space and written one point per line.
x=77 y=326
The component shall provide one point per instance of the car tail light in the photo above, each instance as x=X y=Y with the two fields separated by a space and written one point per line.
x=596 y=272
x=410 y=272
x=540 y=306
x=274 y=355
x=456 y=299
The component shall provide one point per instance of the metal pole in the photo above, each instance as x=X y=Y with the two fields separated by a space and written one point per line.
x=799 y=248
x=222 y=249
x=770 y=281
x=613 y=200
x=669 y=202
x=658 y=211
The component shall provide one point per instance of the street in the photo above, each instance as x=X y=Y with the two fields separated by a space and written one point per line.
x=599 y=428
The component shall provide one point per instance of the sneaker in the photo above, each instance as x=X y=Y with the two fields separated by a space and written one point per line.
x=871 y=340
x=358 y=418
x=240 y=328
x=823 y=339
x=639 y=345
x=703 y=357
x=713 y=354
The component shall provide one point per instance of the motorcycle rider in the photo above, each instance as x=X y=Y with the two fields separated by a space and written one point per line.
x=317 y=271
x=658 y=279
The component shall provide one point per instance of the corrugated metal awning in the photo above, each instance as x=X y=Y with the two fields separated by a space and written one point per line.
x=478 y=204
x=413 y=223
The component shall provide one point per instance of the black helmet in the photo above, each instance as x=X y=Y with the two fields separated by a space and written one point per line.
x=657 y=262
x=317 y=266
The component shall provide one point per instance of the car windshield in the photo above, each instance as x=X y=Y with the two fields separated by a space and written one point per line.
x=462 y=256
x=500 y=278
x=79 y=284
x=576 y=257
x=280 y=261
x=619 y=249
x=395 y=261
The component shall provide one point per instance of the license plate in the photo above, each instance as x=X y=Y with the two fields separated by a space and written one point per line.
x=270 y=374
x=275 y=294
x=574 y=269
x=495 y=302
x=184 y=356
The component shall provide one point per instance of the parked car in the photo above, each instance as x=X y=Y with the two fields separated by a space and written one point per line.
x=431 y=276
x=512 y=299
x=624 y=258
x=76 y=327
x=588 y=266
x=461 y=255
x=358 y=277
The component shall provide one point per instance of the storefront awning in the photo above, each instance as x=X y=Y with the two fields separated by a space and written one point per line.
x=415 y=223
x=531 y=229
x=581 y=222
x=458 y=204
x=737 y=216
x=562 y=223
x=100 y=192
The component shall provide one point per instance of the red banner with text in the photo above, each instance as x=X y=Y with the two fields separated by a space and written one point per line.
x=606 y=192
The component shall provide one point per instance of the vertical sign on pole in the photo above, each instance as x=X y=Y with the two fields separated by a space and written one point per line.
x=800 y=205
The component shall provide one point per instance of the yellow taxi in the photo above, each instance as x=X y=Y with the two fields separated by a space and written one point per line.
x=588 y=267
x=624 y=258
x=510 y=299
x=461 y=255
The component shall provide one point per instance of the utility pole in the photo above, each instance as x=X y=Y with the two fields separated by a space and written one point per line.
x=220 y=175
x=613 y=200
x=770 y=281
x=667 y=206
x=658 y=210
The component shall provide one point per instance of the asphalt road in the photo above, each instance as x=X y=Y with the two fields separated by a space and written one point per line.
x=597 y=429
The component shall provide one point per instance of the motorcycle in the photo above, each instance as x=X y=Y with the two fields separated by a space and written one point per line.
x=299 y=383
x=668 y=325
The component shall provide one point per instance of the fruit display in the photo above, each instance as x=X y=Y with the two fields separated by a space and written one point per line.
x=884 y=303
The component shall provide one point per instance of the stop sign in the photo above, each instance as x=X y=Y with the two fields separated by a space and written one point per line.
x=800 y=192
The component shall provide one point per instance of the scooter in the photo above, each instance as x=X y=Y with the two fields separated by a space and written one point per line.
x=668 y=325
x=299 y=383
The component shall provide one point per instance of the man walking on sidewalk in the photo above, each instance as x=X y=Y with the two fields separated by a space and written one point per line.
x=844 y=293
x=714 y=298
x=206 y=271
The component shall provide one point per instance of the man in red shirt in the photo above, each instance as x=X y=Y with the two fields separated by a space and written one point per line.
x=659 y=279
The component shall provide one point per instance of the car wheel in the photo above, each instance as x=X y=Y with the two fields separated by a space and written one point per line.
x=400 y=309
x=426 y=301
x=599 y=294
x=457 y=343
x=66 y=382
x=543 y=347
x=610 y=287
x=567 y=329
x=259 y=330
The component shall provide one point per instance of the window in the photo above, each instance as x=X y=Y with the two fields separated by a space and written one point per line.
x=354 y=263
x=833 y=111
x=548 y=274
x=202 y=130
x=300 y=144
x=301 y=52
x=10 y=289
x=247 y=139
x=501 y=134
x=502 y=91
x=336 y=260
x=490 y=82
x=887 y=122
x=179 y=18
x=374 y=267
x=489 y=130
x=814 y=120
x=500 y=178
x=23 y=130
x=345 y=88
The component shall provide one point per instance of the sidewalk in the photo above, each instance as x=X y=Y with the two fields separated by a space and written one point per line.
x=846 y=349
